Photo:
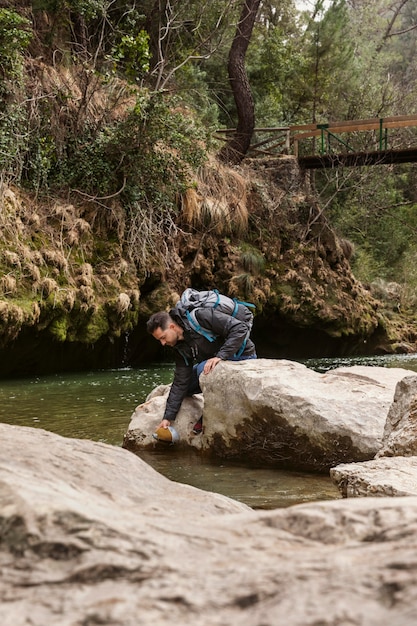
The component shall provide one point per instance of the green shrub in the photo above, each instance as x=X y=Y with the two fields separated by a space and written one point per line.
x=89 y=9
x=132 y=55
x=15 y=37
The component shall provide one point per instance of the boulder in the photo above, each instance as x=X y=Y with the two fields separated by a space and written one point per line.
x=388 y=476
x=92 y=535
x=393 y=472
x=282 y=413
x=148 y=415
x=400 y=432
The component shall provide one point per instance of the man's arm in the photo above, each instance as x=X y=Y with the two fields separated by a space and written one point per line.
x=177 y=393
x=164 y=424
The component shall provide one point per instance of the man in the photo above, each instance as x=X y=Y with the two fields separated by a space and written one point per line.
x=195 y=353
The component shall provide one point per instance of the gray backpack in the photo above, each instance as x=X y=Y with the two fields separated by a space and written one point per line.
x=191 y=300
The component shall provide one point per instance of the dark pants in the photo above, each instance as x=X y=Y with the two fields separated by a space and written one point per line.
x=194 y=386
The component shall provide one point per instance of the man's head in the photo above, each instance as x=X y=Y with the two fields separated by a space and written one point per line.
x=161 y=326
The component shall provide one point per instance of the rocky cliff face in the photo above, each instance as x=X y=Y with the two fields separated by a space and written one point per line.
x=71 y=296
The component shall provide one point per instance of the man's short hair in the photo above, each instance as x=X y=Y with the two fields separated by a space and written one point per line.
x=161 y=320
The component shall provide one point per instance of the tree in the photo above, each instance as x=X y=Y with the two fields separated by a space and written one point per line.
x=375 y=206
x=303 y=68
x=184 y=32
x=236 y=148
x=329 y=69
x=397 y=10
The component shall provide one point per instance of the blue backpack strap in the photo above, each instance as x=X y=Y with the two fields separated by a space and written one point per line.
x=216 y=304
x=199 y=329
x=241 y=349
x=253 y=306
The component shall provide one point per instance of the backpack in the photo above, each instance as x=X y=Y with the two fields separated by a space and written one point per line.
x=191 y=300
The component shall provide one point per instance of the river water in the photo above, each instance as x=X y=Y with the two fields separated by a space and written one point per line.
x=98 y=405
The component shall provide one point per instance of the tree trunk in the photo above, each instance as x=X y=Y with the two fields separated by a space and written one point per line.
x=236 y=148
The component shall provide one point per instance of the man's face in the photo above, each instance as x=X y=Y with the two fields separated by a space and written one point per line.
x=169 y=336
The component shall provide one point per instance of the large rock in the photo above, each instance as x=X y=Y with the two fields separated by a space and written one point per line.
x=400 y=432
x=396 y=476
x=394 y=470
x=283 y=413
x=92 y=535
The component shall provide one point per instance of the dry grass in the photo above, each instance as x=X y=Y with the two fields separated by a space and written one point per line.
x=68 y=299
x=85 y=275
x=82 y=95
x=8 y=285
x=86 y=295
x=54 y=258
x=33 y=272
x=12 y=318
x=36 y=312
x=77 y=230
x=48 y=286
x=134 y=296
x=123 y=303
x=219 y=202
x=12 y=258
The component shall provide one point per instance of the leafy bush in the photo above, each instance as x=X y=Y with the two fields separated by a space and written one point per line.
x=149 y=153
x=89 y=9
x=15 y=36
x=132 y=55
x=147 y=159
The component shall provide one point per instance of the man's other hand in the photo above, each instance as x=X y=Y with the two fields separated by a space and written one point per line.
x=211 y=364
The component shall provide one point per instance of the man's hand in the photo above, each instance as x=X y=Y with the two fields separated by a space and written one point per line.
x=164 y=424
x=211 y=364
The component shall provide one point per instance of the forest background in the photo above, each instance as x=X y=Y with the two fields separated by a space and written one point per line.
x=105 y=101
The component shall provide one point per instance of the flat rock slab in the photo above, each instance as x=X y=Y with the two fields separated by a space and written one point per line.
x=92 y=535
x=386 y=476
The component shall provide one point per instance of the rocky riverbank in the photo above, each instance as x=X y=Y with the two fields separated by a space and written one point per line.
x=91 y=534
x=357 y=422
x=393 y=472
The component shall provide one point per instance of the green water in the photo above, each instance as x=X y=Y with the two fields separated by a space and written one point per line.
x=94 y=405
x=98 y=405
x=406 y=361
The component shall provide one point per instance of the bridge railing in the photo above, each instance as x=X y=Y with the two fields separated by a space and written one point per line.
x=270 y=141
x=331 y=130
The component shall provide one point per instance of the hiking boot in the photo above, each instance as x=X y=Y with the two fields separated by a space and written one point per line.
x=198 y=427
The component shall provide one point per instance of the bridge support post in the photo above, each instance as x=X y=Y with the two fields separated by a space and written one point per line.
x=322 y=127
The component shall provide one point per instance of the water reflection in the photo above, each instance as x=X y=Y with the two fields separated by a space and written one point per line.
x=260 y=488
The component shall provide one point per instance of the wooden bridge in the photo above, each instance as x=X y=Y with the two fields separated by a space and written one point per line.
x=334 y=144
